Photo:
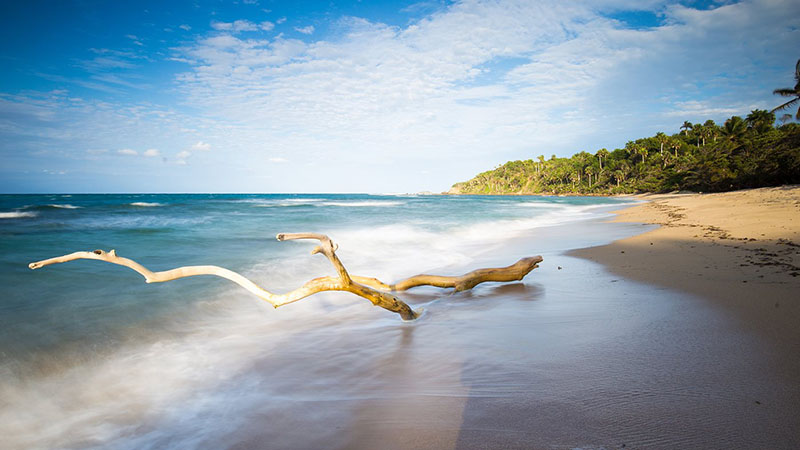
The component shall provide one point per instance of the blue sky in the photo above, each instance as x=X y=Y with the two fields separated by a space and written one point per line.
x=362 y=96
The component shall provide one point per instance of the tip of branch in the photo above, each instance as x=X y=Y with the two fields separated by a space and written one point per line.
x=280 y=236
x=34 y=265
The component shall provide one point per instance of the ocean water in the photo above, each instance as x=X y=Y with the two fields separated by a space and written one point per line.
x=93 y=357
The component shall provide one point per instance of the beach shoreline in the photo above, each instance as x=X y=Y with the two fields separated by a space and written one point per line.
x=739 y=251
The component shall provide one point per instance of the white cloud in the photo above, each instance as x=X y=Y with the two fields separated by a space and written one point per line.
x=305 y=30
x=278 y=160
x=281 y=20
x=236 y=26
x=182 y=156
x=266 y=25
x=201 y=146
x=185 y=27
x=135 y=39
x=151 y=153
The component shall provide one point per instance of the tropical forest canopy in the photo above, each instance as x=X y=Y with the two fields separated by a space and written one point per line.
x=742 y=153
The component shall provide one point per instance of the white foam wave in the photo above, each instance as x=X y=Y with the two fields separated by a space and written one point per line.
x=400 y=250
x=275 y=201
x=541 y=205
x=320 y=202
x=364 y=203
x=146 y=204
x=64 y=206
x=285 y=203
x=16 y=214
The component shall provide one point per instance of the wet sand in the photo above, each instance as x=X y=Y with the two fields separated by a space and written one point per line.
x=738 y=250
x=737 y=253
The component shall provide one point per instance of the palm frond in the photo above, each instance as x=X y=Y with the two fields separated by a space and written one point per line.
x=786 y=105
x=785 y=92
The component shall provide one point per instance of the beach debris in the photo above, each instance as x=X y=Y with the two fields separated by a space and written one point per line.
x=372 y=289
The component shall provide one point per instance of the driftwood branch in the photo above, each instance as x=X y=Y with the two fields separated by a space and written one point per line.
x=514 y=272
x=371 y=289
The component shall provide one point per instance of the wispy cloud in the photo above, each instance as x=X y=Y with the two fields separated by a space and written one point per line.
x=135 y=39
x=183 y=156
x=516 y=77
x=468 y=85
x=128 y=152
x=200 y=146
x=305 y=30
x=235 y=27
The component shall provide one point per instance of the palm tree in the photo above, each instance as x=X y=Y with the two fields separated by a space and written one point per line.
x=712 y=130
x=662 y=139
x=642 y=151
x=699 y=131
x=790 y=92
x=589 y=170
x=686 y=127
x=619 y=175
x=574 y=176
x=675 y=144
x=602 y=153
x=665 y=158
x=734 y=128
x=760 y=120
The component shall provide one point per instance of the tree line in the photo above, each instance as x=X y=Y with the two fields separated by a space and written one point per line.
x=741 y=153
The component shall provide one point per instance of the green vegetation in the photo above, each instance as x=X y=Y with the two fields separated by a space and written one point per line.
x=742 y=153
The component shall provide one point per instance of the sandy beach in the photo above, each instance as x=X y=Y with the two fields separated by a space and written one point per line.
x=740 y=250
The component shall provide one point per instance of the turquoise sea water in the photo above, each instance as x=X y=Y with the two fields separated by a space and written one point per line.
x=573 y=356
x=90 y=352
x=86 y=303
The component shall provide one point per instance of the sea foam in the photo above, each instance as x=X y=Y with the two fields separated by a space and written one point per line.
x=16 y=214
